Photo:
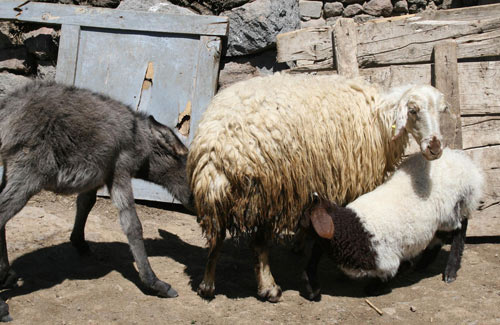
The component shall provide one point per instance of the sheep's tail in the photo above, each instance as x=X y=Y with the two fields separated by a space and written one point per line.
x=209 y=187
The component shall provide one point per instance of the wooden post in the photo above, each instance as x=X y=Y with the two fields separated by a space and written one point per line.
x=345 y=47
x=446 y=80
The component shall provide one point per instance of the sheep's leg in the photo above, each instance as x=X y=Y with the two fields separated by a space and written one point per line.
x=267 y=288
x=122 y=196
x=206 y=289
x=456 y=251
x=310 y=274
x=429 y=254
x=84 y=203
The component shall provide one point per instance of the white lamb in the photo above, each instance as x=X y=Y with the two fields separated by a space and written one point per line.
x=265 y=144
x=398 y=220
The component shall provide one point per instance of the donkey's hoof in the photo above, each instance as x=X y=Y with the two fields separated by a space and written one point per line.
x=164 y=289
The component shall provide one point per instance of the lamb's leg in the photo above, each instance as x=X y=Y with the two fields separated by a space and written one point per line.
x=84 y=203
x=455 y=257
x=206 y=289
x=377 y=287
x=122 y=196
x=429 y=254
x=267 y=288
x=16 y=191
x=310 y=274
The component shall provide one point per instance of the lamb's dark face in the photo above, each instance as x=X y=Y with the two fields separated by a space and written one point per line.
x=419 y=112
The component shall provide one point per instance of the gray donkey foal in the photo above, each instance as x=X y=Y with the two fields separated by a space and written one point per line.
x=69 y=140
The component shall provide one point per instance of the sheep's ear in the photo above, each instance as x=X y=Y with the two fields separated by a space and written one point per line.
x=166 y=138
x=322 y=222
x=401 y=119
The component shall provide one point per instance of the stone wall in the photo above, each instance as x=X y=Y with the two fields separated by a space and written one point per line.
x=30 y=50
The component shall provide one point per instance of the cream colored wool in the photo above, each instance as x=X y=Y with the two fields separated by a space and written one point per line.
x=265 y=144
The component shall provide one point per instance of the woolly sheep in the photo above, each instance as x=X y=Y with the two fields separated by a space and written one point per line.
x=69 y=140
x=265 y=144
x=398 y=220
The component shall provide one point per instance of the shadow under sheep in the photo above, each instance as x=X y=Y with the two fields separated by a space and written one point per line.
x=234 y=279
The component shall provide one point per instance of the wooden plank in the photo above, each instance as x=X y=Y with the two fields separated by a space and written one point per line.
x=68 y=54
x=111 y=18
x=205 y=79
x=479 y=91
x=480 y=131
x=313 y=44
x=345 y=47
x=446 y=80
x=407 y=39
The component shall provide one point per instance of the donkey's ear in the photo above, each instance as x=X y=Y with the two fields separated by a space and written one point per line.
x=401 y=118
x=166 y=138
x=322 y=222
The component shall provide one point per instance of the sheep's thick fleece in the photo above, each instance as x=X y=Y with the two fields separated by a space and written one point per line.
x=265 y=144
x=402 y=215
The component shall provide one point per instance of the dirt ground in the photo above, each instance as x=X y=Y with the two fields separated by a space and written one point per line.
x=59 y=287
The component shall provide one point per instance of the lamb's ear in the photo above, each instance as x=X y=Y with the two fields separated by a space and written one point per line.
x=322 y=222
x=166 y=138
x=401 y=119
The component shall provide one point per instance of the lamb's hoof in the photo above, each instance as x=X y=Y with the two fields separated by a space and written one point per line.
x=4 y=312
x=81 y=247
x=164 y=289
x=10 y=281
x=206 y=290
x=449 y=278
x=272 y=294
x=377 y=289
x=312 y=294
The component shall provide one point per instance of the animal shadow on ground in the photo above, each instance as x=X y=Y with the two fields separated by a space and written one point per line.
x=234 y=277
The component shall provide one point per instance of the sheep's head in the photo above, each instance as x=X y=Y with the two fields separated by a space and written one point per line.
x=418 y=112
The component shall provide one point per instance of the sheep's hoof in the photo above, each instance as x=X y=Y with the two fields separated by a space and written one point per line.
x=448 y=278
x=4 y=312
x=164 y=289
x=9 y=281
x=206 y=290
x=272 y=294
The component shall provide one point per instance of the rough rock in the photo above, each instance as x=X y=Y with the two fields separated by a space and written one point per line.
x=333 y=9
x=254 y=26
x=310 y=9
x=9 y=82
x=46 y=70
x=9 y=34
x=313 y=23
x=241 y=68
x=154 y=6
x=14 y=60
x=352 y=10
x=378 y=8
x=401 y=7
x=42 y=42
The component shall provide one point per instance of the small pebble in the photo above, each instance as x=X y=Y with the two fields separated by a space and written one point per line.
x=413 y=309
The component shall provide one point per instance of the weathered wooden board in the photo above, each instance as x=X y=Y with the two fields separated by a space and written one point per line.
x=111 y=18
x=478 y=83
x=446 y=80
x=402 y=40
x=481 y=131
